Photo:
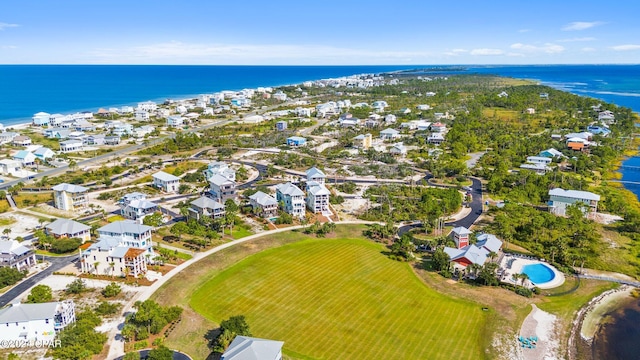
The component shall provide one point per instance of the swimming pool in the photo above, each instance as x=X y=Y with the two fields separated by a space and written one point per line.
x=538 y=273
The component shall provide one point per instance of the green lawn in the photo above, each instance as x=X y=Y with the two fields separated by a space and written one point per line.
x=343 y=299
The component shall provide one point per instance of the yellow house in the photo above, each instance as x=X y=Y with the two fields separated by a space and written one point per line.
x=362 y=141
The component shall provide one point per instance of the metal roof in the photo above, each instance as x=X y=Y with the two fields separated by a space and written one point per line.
x=66 y=226
x=248 y=348
x=574 y=194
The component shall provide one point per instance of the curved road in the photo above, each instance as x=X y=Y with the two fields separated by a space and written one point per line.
x=57 y=263
x=467 y=221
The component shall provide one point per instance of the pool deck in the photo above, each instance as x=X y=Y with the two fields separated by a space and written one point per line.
x=513 y=265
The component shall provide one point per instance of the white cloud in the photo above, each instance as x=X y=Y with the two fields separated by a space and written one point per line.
x=6 y=25
x=174 y=52
x=548 y=48
x=524 y=30
x=486 y=52
x=459 y=50
x=581 y=25
x=577 y=39
x=455 y=52
x=626 y=47
x=588 y=49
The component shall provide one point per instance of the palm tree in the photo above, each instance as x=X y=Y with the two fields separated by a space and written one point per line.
x=95 y=266
x=524 y=278
x=6 y=232
x=112 y=265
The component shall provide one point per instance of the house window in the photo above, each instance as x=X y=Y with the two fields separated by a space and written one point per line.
x=46 y=321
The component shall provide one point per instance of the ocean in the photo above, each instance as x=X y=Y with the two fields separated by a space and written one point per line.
x=28 y=89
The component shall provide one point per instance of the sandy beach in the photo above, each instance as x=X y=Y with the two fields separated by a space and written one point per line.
x=542 y=325
x=599 y=307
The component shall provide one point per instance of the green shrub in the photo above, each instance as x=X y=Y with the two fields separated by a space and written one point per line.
x=111 y=290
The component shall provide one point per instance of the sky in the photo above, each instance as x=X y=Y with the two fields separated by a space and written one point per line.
x=327 y=32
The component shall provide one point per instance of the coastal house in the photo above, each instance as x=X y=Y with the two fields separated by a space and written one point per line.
x=10 y=166
x=576 y=146
x=21 y=140
x=318 y=198
x=141 y=115
x=249 y=348
x=15 y=255
x=83 y=125
x=71 y=145
x=296 y=141
x=57 y=119
x=538 y=168
x=438 y=127
x=112 y=140
x=8 y=136
x=25 y=157
x=551 y=153
x=70 y=197
x=389 y=134
x=95 y=139
x=585 y=136
x=281 y=125
x=560 y=199
x=264 y=205
x=219 y=168
x=136 y=207
x=204 y=206
x=398 y=149
x=221 y=188
x=143 y=131
x=478 y=253
x=44 y=153
x=363 y=141
x=529 y=111
x=110 y=256
x=390 y=119
x=503 y=94
x=167 y=182
x=128 y=233
x=460 y=235
x=253 y=119
x=175 y=121
x=67 y=228
x=147 y=106
x=121 y=129
x=28 y=323
x=40 y=119
x=291 y=198
x=279 y=95
x=435 y=138
x=316 y=175
x=539 y=160
x=423 y=107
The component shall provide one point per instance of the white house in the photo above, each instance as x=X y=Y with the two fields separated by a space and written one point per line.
x=175 y=121
x=264 y=205
x=10 y=166
x=71 y=145
x=141 y=115
x=318 y=198
x=279 y=95
x=137 y=207
x=559 y=199
x=538 y=168
x=21 y=140
x=435 y=138
x=67 y=228
x=389 y=134
x=70 y=197
x=248 y=348
x=292 y=199
x=253 y=119
x=539 y=160
x=41 y=119
x=398 y=149
x=423 y=107
x=35 y=322
x=315 y=174
x=390 y=119
x=25 y=157
x=110 y=256
x=128 y=233
x=44 y=153
x=221 y=188
x=219 y=168
x=438 y=127
x=204 y=206
x=15 y=255
x=147 y=106
x=167 y=182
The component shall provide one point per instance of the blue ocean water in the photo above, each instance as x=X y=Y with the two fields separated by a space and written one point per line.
x=618 y=84
x=28 y=89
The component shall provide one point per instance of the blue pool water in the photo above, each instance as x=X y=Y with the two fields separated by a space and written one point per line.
x=538 y=273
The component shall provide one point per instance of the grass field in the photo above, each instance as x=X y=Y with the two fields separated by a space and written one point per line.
x=342 y=298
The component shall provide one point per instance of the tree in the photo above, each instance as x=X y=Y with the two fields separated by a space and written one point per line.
x=161 y=353
x=441 y=260
x=10 y=276
x=179 y=228
x=229 y=329
x=404 y=247
x=131 y=356
x=77 y=286
x=95 y=266
x=128 y=332
x=111 y=290
x=6 y=232
x=154 y=219
x=40 y=294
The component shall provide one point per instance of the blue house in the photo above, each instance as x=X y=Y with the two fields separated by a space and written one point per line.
x=296 y=141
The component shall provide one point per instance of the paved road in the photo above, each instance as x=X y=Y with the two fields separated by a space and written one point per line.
x=57 y=263
x=467 y=221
